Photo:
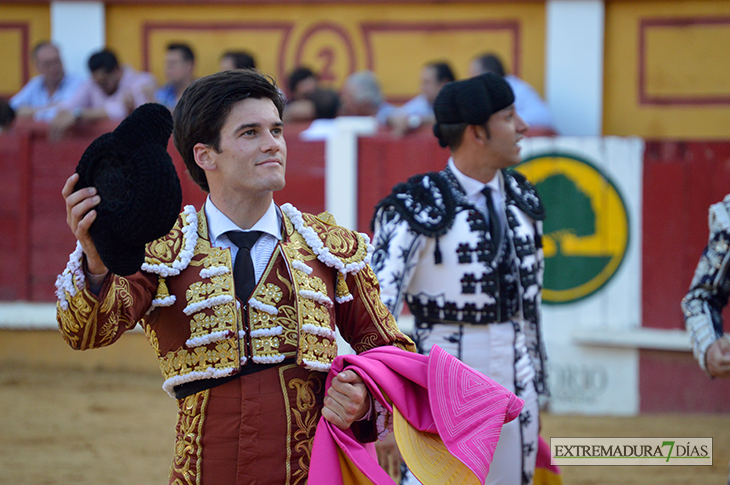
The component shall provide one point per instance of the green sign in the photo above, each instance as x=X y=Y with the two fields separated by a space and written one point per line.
x=586 y=229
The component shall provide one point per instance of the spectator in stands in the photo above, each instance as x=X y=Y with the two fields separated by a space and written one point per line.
x=236 y=60
x=301 y=82
x=362 y=96
x=320 y=104
x=325 y=107
x=112 y=93
x=326 y=103
x=7 y=116
x=419 y=111
x=528 y=103
x=179 y=72
x=40 y=97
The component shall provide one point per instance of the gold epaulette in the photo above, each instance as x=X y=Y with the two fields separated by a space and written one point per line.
x=351 y=248
x=170 y=254
x=165 y=249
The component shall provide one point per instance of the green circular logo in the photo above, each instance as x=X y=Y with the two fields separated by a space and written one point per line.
x=586 y=228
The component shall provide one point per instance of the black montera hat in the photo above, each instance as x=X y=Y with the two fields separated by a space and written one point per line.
x=138 y=185
x=471 y=101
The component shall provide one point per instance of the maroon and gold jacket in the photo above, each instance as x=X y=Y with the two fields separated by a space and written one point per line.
x=317 y=279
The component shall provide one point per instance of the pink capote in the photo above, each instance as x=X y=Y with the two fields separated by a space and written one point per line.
x=436 y=394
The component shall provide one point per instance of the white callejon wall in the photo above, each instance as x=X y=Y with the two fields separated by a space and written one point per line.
x=574 y=65
x=594 y=378
x=79 y=29
x=340 y=181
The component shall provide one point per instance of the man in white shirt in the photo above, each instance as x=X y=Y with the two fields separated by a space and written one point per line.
x=113 y=92
x=40 y=98
x=362 y=96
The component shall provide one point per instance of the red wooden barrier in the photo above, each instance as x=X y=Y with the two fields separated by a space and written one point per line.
x=681 y=180
x=14 y=216
x=386 y=160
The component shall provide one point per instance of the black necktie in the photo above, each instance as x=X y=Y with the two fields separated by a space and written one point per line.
x=243 y=273
x=495 y=226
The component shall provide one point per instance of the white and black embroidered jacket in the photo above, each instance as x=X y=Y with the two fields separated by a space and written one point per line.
x=710 y=288
x=433 y=249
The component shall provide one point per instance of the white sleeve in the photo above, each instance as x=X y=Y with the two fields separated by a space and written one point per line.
x=397 y=253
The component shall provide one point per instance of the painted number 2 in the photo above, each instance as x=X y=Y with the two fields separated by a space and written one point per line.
x=327 y=55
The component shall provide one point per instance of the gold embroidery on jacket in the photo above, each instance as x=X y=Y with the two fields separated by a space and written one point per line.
x=265 y=346
x=217 y=257
x=288 y=319
x=287 y=316
x=165 y=250
x=152 y=338
x=366 y=342
x=312 y=348
x=342 y=290
x=202 y=290
x=223 y=318
x=383 y=321
x=202 y=223
x=301 y=421
x=348 y=246
x=117 y=322
x=80 y=309
x=162 y=290
x=105 y=335
x=285 y=281
x=187 y=463
x=317 y=349
x=199 y=359
x=287 y=406
x=306 y=418
x=314 y=313
x=268 y=294
x=311 y=283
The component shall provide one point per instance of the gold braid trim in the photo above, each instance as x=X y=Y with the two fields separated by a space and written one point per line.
x=346 y=245
x=318 y=350
x=302 y=416
x=220 y=355
x=386 y=325
x=79 y=323
x=264 y=344
x=166 y=249
x=186 y=468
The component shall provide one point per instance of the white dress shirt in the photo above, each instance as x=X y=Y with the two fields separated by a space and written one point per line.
x=473 y=189
x=269 y=225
